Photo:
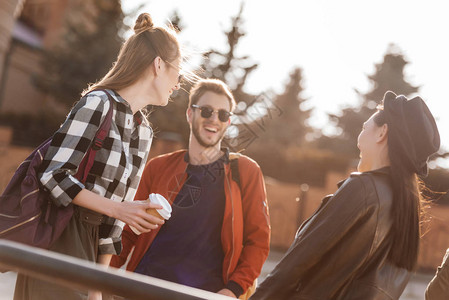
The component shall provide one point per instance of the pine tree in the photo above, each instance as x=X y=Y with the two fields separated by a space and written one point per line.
x=280 y=146
x=86 y=50
x=227 y=66
x=216 y=64
x=290 y=128
x=389 y=75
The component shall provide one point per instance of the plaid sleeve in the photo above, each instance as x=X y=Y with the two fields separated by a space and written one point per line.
x=69 y=145
x=113 y=243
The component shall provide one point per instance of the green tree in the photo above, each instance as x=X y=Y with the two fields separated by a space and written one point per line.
x=290 y=128
x=224 y=65
x=227 y=66
x=281 y=147
x=86 y=50
x=389 y=75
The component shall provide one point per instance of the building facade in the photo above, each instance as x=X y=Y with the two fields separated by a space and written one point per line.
x=27 y=28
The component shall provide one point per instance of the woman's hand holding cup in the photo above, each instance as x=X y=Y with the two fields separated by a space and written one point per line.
x=157 y=210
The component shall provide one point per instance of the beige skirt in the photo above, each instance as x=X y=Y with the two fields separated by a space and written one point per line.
x=79 y=239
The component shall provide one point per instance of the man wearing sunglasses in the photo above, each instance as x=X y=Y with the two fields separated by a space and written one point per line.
x=217 y=238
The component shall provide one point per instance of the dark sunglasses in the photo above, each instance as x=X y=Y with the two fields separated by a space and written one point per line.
x=206 y=112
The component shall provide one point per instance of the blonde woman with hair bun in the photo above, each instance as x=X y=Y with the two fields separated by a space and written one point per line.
x=146 y=72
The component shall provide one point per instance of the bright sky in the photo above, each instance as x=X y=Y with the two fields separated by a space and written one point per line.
x=336 y=43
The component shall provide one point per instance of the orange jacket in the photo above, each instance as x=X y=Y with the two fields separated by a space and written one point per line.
x=245 y=235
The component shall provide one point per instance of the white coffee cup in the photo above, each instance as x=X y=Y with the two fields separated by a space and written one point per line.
x=164 y=212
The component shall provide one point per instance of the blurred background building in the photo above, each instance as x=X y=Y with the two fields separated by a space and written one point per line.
x=28 y=27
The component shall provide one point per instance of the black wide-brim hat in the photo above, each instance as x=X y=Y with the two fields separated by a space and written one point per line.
x=412 y=130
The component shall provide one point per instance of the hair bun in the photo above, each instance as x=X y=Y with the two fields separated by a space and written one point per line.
x=143 y=23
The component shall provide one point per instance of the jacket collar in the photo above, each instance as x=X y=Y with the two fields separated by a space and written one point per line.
x=381 y=171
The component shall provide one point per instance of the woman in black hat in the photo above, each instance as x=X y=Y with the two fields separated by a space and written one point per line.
x=362 y=243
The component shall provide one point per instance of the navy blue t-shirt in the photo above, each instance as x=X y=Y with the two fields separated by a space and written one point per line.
x=188 y=249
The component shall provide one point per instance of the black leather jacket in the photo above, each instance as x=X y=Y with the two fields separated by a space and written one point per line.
x=341 y=251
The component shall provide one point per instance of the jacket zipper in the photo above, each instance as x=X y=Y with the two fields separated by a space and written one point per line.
x=20 y=224
x=29 y=194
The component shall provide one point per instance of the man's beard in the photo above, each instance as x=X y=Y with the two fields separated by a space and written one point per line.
x=196 y=133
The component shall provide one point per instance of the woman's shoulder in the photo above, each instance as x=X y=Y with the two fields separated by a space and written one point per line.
x=98 y=96
x=354 y=182
x=356 y=186
x=370 y=177
x=376 y=185
x=96 y=100
x=352 y=199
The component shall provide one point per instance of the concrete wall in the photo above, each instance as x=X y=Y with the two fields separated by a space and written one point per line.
x=8 y=8
x=20 y=56
x=284 y=211
x=19 y=92
x=435 y=237
x=10 y=156
x=291 y=204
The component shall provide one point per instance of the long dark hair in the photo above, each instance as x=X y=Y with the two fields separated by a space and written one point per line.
x=406 y=207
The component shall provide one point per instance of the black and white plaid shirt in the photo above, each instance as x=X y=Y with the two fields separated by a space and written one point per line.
x=117 y=168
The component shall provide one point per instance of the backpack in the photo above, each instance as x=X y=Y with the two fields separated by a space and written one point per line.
x=27 y=213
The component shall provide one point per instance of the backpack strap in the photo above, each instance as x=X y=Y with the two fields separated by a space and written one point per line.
x=234 y=162
x=88 y=161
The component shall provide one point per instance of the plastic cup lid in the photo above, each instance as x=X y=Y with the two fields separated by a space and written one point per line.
x=165 y=211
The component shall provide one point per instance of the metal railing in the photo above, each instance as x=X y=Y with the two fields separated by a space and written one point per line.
x=80 y=274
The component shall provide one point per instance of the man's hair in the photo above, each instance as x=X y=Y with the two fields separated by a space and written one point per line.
x=211 y=85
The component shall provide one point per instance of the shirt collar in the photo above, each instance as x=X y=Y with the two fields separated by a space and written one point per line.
x=117 y=97
x=139 y=117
